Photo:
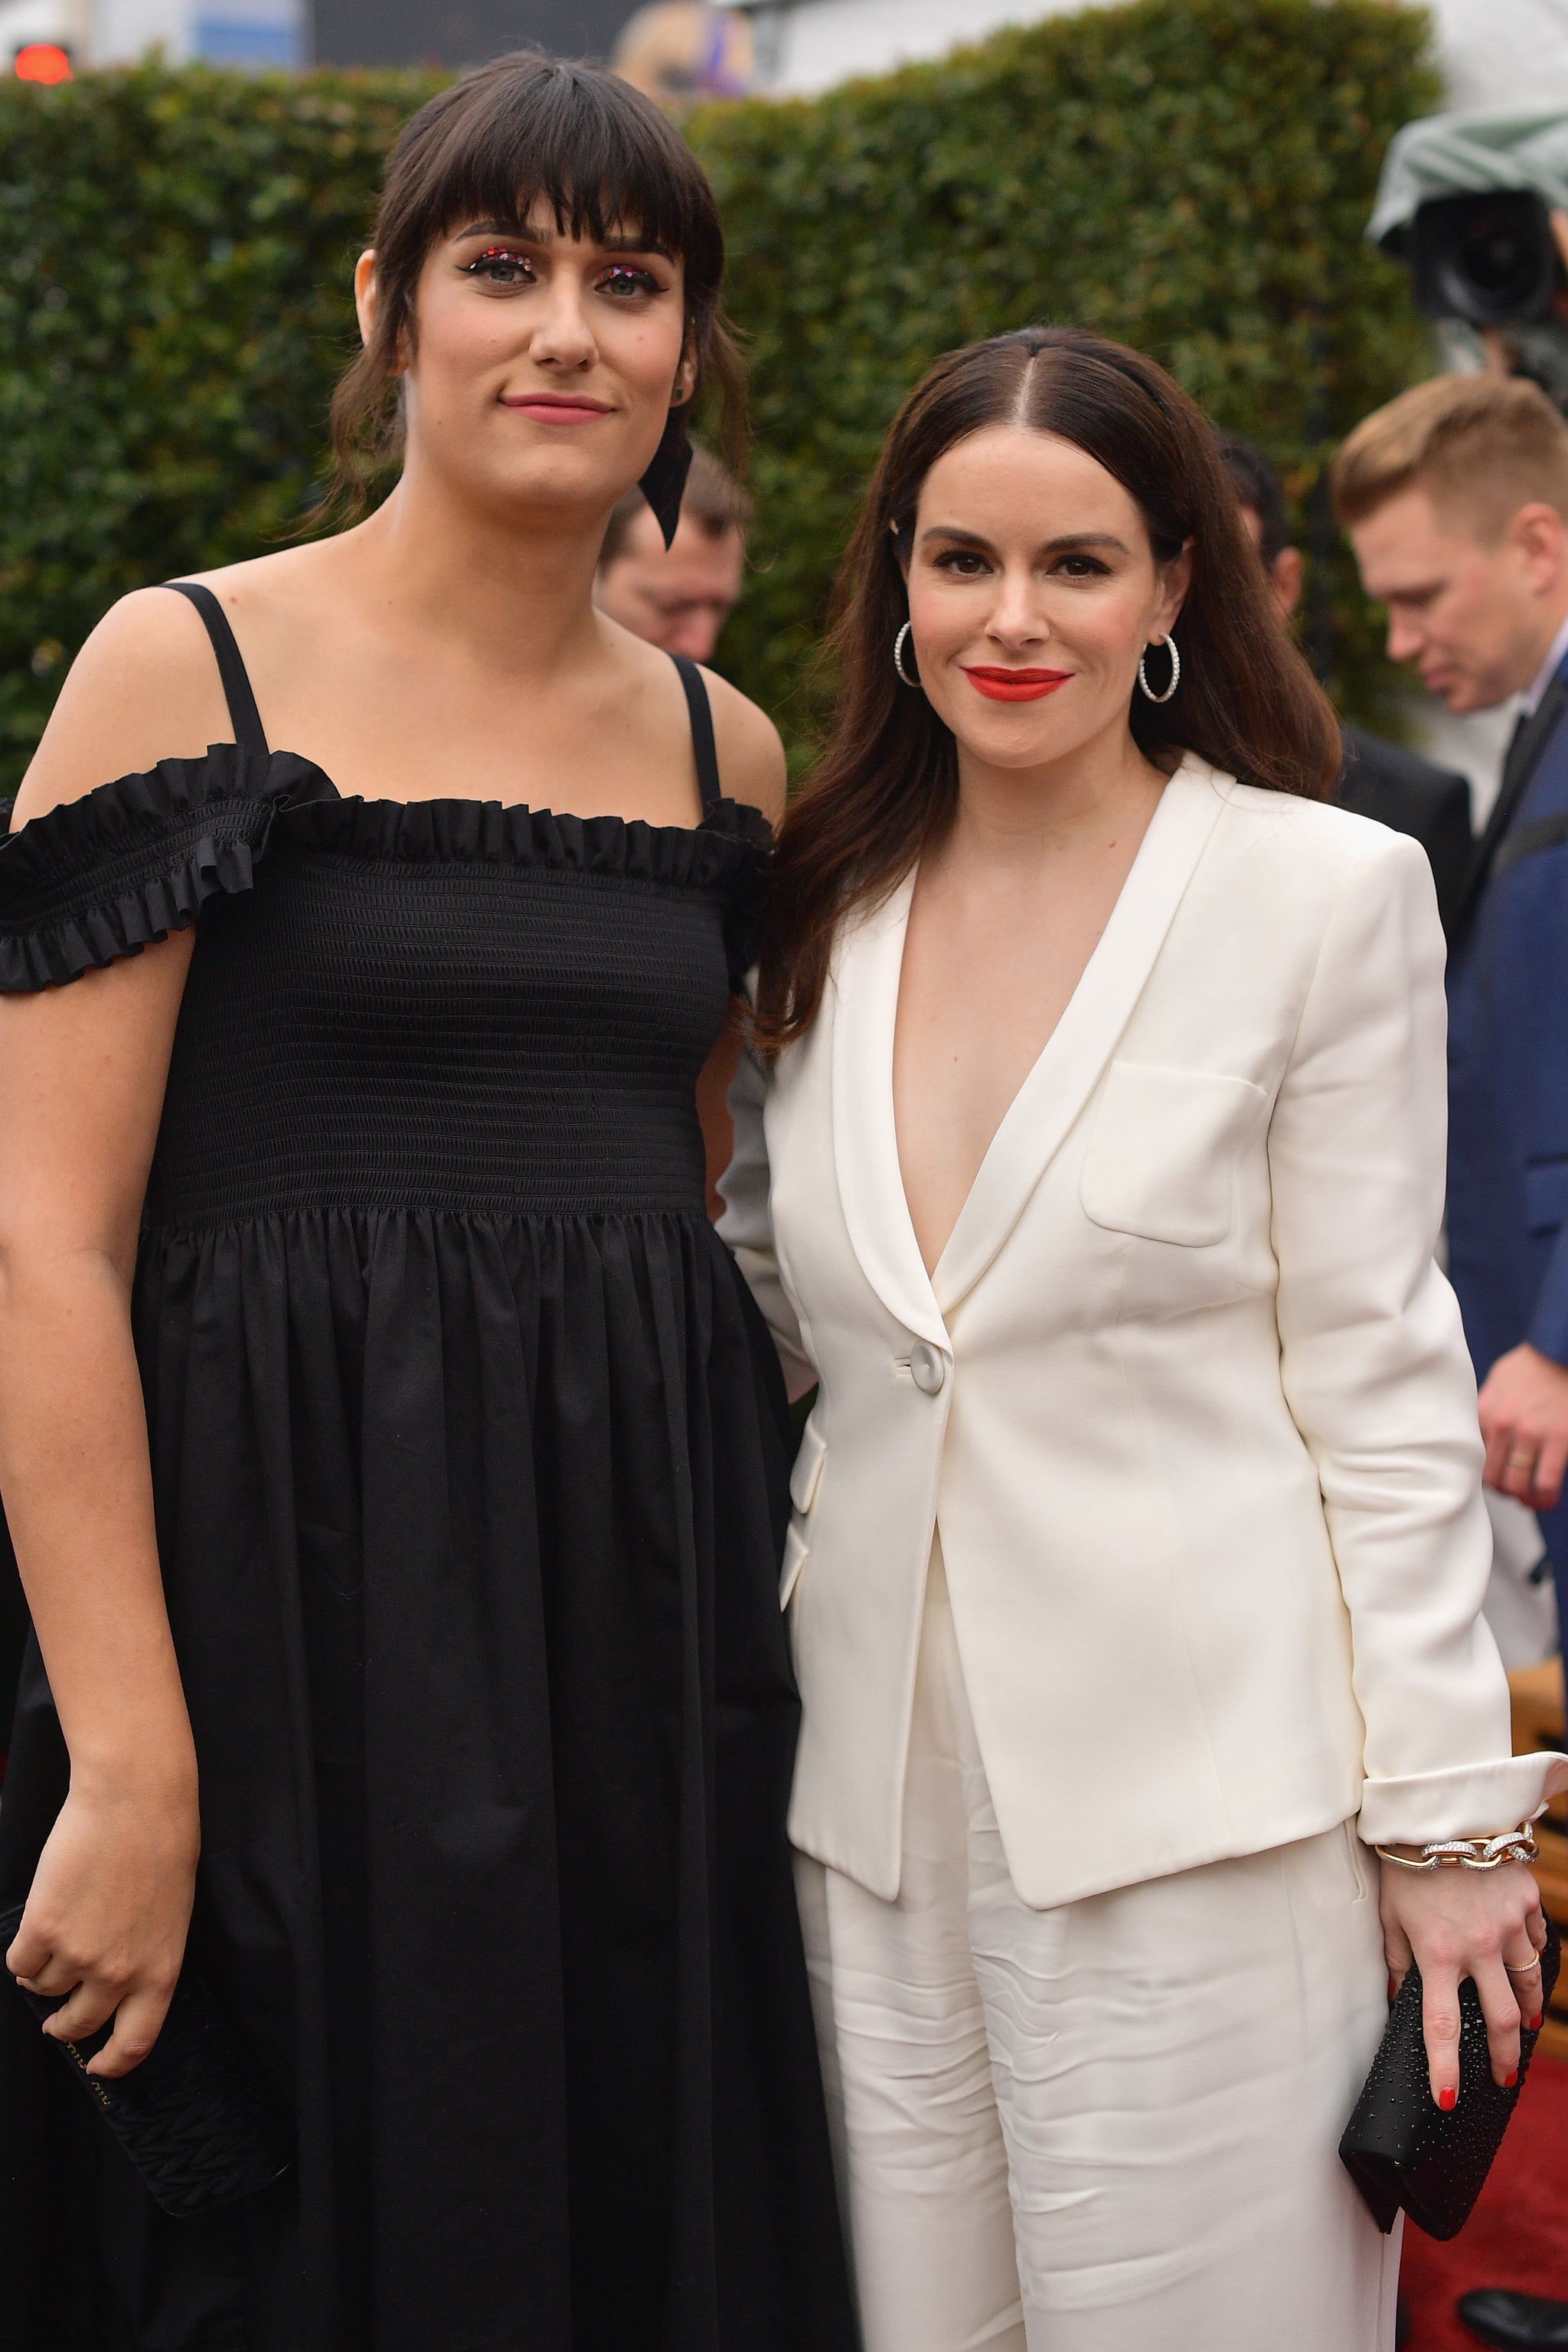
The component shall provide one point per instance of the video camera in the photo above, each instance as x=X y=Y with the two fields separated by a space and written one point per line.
x=1466 y=201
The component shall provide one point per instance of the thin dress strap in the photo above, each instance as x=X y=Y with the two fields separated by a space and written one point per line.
x=703 y=749
x=244 y=716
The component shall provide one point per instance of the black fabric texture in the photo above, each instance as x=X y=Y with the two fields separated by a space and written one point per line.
x=471 y=1456
x=1412 y=795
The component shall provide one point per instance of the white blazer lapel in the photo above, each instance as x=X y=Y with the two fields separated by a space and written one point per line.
x=867 y=965
x=1051 y=1097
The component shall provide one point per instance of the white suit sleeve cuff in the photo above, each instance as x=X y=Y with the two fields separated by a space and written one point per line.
x=1467 y=1800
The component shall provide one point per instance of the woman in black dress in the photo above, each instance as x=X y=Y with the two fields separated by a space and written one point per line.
x=399 y=1511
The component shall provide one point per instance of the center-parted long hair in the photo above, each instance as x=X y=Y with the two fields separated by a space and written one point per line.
x=886 y=786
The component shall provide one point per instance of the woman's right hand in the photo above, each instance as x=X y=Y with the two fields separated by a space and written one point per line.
x=110 y=1904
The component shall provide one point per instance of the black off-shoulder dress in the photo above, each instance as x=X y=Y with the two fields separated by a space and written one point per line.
x=468 y=1462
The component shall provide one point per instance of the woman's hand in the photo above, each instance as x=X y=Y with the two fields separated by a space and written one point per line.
x=109 y=1911
x=1466 y=1923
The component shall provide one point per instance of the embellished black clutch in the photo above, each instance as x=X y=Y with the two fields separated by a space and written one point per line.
x=1399 y=2147
x=198 y=2118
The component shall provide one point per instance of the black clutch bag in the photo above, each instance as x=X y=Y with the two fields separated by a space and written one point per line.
x=1399 y=2146
x=198 y=2118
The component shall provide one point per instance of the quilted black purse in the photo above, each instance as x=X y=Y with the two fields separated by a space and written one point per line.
x=1399 y=2148
x=198 y=2118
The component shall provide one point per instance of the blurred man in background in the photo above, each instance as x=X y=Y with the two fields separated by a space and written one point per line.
x=678 y=598
x=1379 y=779
x=1455 y=499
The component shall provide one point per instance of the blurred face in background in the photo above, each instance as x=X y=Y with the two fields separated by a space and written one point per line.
x=1284 y=572
x=1475 y=618
x=677 y=599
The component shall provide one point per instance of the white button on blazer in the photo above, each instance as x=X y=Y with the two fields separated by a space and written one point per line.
x=1186 y=1388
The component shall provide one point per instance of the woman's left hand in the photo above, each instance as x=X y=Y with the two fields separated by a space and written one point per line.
x=1455 y=1923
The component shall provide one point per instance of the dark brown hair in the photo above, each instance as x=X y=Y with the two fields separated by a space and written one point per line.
x=527 y=130
x=712 y=497
x=885 y=785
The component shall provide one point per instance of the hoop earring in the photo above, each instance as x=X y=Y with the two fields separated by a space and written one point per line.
x=1169 y=642
x=899 y=657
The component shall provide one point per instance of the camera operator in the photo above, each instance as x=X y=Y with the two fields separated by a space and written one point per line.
x=1378 y=779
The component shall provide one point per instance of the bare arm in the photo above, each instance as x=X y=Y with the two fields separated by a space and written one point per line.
x=82 y=1074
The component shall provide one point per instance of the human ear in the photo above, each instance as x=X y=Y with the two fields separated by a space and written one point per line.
x=1284 y=580
x=1175 y=579
x=1538 y=535
x=685 y=374
x=367 y=294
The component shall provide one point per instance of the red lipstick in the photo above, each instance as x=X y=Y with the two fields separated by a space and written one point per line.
x=1016 y=685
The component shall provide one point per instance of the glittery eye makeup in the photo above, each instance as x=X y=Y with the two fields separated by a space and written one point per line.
x=494 y=261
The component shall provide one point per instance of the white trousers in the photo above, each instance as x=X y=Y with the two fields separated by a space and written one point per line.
x=1106 y=2127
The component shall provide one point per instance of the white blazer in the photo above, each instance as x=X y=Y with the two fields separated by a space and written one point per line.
x=1186 y=1392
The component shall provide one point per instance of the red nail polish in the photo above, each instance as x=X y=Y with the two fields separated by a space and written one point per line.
x=1392 y=1988
x=1447 y=2098
x=1535 y=2024
x=1509 y=2080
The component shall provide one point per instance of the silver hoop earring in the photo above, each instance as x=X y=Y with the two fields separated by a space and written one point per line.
x=899 y=657
x=1169 y=642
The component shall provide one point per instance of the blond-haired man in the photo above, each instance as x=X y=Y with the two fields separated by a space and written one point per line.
x=1455 y=499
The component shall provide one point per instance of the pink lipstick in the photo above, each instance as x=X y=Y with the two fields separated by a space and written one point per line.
x=556 y=408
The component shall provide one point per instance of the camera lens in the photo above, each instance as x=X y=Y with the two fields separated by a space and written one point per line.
x=1487 y=259
x=1493 y=269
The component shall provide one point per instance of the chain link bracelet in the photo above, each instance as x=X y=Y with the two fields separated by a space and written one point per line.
x=1470 y=1854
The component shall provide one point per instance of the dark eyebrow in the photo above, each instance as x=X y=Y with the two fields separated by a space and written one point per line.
x=1052 y=546
x=524 y=234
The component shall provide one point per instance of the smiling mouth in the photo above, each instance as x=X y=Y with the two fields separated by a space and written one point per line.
x=1016 y=685
x=553 y=408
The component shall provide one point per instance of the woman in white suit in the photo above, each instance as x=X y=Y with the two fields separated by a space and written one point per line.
x=1090 y=1161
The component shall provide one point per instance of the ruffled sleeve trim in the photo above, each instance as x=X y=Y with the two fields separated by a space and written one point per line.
x=102 y=876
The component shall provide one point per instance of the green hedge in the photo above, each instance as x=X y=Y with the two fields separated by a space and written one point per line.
x=176 y=247
x=175 y=250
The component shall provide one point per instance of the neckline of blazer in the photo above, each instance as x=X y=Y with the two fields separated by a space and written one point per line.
x=867 y=963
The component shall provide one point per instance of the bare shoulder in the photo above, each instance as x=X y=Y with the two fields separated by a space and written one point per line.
x=144 y=687
x=750 y=756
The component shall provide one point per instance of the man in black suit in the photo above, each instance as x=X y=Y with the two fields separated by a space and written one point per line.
x=1378 y=779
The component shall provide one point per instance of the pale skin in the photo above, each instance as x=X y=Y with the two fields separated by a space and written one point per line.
x=447 y=647
x=1026 y=555
x=1474 y=611
x=679 y=597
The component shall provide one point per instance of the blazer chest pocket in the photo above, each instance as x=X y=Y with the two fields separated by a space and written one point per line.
x=1162 y=1153
x=803 y=1481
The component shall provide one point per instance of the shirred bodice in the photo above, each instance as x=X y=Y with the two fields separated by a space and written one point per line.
x=449 y=1004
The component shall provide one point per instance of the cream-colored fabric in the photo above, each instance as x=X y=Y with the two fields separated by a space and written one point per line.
x=1108 y=2127
x=1187 y=1385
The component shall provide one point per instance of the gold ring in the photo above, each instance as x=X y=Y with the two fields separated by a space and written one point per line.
x=1521 y=1462
x=1524 y=1969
